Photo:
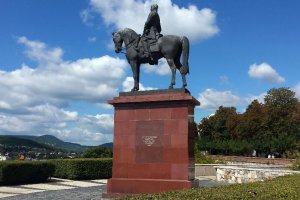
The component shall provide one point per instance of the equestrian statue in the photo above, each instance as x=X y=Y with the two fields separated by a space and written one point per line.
x=151 y=46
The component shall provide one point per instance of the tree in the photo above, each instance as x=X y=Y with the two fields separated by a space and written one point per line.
x=282 y=124
x=251 y=126
x=219 y=134
x=252 y=122
x=296 y=119
x=220 y=125
x=98 y=152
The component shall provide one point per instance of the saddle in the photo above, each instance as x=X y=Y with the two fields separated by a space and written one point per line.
x=148 y=46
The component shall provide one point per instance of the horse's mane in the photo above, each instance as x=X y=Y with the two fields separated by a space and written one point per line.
x=128 y=31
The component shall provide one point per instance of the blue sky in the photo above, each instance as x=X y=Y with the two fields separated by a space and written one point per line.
x=58 y=67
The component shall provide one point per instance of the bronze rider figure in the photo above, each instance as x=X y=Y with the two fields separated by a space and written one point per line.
x=151 y=32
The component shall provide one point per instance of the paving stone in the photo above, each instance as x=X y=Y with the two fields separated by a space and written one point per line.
x=85 y=193
x=17 y=190
x=55 y=189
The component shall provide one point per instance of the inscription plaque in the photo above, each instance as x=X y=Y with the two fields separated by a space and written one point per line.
x=149 y=141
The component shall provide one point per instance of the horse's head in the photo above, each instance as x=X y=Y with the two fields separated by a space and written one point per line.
x=125 y=35
x=118 y=41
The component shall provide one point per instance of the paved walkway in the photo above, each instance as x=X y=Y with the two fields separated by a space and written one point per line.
x=62 y=189
x=55 y=189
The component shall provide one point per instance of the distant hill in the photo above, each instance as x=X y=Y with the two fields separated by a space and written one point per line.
x=50 y=141
x=109 y=144
x=7 y=140
x=55 y=142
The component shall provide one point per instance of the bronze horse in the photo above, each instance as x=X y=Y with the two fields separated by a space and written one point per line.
x=170 y=47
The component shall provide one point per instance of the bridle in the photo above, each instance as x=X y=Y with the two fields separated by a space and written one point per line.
x=129 y=45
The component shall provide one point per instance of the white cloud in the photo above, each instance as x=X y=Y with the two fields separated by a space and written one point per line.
x=104 y=106
x=101 y=122
x=88 y=79
x=260 y=98
x=92 y=130
x=86 y=17
x=212 y=99
x=35 y=120
x=296 y=89
x=4 y=105
x=195 y=23
x=92 y=39
x=224 y=80
x=39 y=52
x=129 y=82
x=36 y=99
x=81 y=136
x=105 y=120
x=264 y=71
x=161 y=69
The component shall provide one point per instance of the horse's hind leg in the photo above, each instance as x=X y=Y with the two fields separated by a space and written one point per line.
x=179 y=66
x=173 y=70
x=184 y=84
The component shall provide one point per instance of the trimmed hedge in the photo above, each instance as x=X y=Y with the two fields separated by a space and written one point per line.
x=20 y=172
x=287 y=187
x=83 y=168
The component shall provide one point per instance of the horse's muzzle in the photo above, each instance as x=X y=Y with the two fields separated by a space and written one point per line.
x=117 y=50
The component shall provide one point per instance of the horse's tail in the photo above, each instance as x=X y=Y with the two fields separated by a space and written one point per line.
x=185 y=54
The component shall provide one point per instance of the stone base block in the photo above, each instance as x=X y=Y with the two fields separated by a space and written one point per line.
x=117 y=187
x=153 y=142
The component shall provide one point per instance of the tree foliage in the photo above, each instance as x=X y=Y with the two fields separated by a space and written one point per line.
x=98 y=152
x=269 y=127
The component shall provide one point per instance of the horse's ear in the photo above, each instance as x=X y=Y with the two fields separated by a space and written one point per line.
x=113 y=33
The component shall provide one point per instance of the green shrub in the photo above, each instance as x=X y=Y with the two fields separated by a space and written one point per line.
x=80 y=169
x=226 y=147
x=296 y=164
x=20 y=172
x=200 y=158
x=203 y=159
x=287 y=187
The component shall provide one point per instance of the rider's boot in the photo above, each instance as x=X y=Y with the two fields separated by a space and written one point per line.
x=151 y=59
x=147 y=53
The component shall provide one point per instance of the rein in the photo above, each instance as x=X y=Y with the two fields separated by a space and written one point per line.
x=130 y=44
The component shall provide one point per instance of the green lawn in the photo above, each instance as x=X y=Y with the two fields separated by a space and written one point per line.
x=287 y=187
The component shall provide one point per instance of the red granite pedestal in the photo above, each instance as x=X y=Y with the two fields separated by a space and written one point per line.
x=153 y=150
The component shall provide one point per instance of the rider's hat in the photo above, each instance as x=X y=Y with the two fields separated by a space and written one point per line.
x=154 y=6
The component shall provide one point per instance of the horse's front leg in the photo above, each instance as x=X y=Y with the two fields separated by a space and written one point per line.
x=136 y=75
x=137 y=84
x=173 y=70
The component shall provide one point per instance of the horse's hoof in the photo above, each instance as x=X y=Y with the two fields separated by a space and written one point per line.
x=134 y=89
x=170 y=87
